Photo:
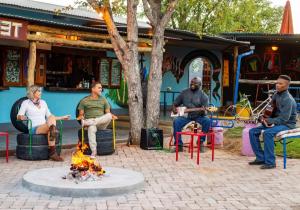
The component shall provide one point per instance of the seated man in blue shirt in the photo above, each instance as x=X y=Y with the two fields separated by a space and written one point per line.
x=284 y=118
x=192 y=97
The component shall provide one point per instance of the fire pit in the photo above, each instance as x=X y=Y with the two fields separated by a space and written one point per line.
x=85 y=178
x=115 y=181
x=84 y=168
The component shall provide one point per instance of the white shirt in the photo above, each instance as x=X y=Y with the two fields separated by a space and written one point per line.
x=35 y=114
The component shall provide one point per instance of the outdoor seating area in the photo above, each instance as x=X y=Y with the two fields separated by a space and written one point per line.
x=149 y=105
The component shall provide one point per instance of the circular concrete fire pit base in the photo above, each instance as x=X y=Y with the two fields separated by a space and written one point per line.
x=115 y=181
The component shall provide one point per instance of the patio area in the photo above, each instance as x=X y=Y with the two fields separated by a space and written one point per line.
x=227 y=183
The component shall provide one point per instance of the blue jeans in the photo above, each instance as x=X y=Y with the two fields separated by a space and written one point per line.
x=267 y=155
x=180 y=122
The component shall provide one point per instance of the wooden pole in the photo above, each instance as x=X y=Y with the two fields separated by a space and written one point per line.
x=50 y=30
x=79 y=43
x=235 y=58
x=31 y=63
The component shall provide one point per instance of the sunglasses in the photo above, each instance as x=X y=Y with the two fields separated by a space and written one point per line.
x=38 y=90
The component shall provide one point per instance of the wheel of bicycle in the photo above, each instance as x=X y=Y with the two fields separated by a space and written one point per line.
x=230 y=111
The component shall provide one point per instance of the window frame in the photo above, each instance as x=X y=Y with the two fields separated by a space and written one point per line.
x=110 y=85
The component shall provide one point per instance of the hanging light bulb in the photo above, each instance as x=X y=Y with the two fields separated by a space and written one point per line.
x=274 y=48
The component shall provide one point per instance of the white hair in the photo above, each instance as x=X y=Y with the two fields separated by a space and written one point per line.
x=31 y=90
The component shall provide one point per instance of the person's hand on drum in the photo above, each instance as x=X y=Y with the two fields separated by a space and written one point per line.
x=66 y=117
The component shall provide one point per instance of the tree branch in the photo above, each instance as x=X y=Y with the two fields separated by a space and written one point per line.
x=169 y=11
x=148 y=12
x=132 y=24
x=152 y=3
x=119 y=44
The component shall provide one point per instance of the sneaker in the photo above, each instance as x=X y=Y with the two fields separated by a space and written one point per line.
x=266 y=166
x=173 y=150
x=257 y=162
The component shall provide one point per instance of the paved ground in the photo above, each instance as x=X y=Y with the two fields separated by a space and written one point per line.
x=227 y=183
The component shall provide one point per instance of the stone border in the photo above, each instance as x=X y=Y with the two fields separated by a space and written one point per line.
x=49 y=181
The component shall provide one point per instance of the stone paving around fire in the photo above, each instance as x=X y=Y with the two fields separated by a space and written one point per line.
x=227 y=183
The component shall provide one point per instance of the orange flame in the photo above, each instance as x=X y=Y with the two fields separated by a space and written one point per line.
x=83 y=162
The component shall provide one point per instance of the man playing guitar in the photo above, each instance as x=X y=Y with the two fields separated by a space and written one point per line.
x=192 y=97
x=284 y=118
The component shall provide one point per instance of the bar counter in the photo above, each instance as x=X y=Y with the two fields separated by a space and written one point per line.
x=63 y=89
x=4 y=88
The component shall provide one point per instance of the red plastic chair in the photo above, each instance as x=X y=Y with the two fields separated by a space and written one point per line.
x=7 y=143
x=197 y=135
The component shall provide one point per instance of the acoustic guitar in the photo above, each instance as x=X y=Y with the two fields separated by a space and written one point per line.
x=269 y=111
x=183 y=111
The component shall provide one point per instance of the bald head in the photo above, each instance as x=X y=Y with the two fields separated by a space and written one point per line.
x=196 y=83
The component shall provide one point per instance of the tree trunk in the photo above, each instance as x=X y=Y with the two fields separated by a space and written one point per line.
x=31 y=63
x=158 y=21
x=127 y=53
x=155 y=79
x=135 y=99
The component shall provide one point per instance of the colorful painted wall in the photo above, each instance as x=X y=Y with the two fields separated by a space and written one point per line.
x=178 y=79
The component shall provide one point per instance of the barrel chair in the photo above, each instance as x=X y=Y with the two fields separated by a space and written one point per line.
x=104 y=139
x=31 y=146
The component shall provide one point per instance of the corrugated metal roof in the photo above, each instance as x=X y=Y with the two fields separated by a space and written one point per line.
x=261 y=36
x=51 y=8
x=52 y=22
x=77 y=12
x=193 y=36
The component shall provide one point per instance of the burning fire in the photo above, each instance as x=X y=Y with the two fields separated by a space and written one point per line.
x=83 y=167
x=83 y=162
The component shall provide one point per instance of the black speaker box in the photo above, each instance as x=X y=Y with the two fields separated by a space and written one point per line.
x=152 y=139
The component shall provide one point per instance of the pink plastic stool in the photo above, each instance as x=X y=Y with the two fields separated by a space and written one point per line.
x=246 y=145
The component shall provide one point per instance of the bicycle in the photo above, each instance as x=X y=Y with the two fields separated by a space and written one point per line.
x=254 y=114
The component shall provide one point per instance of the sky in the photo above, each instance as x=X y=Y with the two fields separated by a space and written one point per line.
x=294 y=3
